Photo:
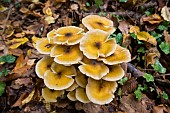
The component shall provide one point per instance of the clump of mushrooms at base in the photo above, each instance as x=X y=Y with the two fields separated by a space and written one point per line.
x=82 y=66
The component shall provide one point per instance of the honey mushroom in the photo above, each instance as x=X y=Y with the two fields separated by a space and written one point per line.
x=44 y=46
x=66 y=55
x=59 y=77
x=81 y=79
x=119 y=56
x=94 y=69
x=81 y=95
x=72 y=95
x=96 y=44
x=100 y=92
x=69 y=35
x=115 y=73
x=98 y=22
x=43 y=65
x=51 y=95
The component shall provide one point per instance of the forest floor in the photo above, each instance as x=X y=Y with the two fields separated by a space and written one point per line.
x=145 y=88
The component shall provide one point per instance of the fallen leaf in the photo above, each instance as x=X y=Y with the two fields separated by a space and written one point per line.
x=2 y=8
x=19 y=101
x=165 y=13
x=134 y=29
x=28 y=99
x=145 y=36
x=24 y=10
x=20 y=62
x=126 y=40
x=167 y=37
x=15 y=43
x=158 y=109
x=153 y=19
x=124 y=27
x=47 y=11
x=151 y=56
x=16 y=52
x=49 y=19
x=131 y=105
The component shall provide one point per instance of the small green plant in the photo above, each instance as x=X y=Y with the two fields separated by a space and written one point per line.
x=158 y=67
x=141 y=50
x=7 y=59
x=163 y=26
x=138 y=91
x=165 y=95
x=123 y=0
x=148 y=77
x=4 y=72
x=165 y=47
x=123 y=80
x=149 y=11
x=2 y=88
x=98 y=3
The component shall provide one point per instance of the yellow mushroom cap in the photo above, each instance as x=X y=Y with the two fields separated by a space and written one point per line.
x=72 y=87
x=98 y=22
x=81 y=95
x=60 y=78
x=66 y=55
x=81 y=79
x=100 y=92
x=51 y=35
x=72 y=95
x=43 y=46
x=95 y=70
x=43 y=65
x=69 y=35
x=119 y=56
x=115 y=73
x=96 y=44
x=51 y=95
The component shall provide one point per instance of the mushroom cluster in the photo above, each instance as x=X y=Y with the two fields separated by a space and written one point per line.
x=83 y=66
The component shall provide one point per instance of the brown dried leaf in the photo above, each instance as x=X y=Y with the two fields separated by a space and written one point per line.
x=153 y=19
x=151 y=55
x=131 y=105
x=167 y=37
x=158 y=109
x=124 y=27
x=89 y=107
x=165 y=13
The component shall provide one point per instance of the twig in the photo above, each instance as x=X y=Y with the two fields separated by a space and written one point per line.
x=6 y=21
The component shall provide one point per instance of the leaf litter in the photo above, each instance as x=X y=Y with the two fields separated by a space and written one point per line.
x=25 y=22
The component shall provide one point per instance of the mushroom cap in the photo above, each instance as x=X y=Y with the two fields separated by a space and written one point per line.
x=95 y=70
x=43 y=46
x=100 y=92
x=81 y=95
x=60 y=77
x=98 y=22
x=69 y=35
x=72 y=95
x=119 y=56
x=51 y=95
x=51 y=35
x=72 y=87
x=66 y=55
x=115 y=73
x=96 y=44
x=81 y=79
x=43 y=65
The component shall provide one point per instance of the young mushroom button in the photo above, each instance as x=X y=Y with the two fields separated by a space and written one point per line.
x=96 y=44
x=98 y=22
x=69 y=35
